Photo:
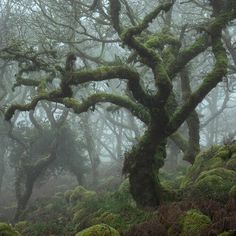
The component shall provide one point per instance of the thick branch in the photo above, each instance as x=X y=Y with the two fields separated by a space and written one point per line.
x=211 y=80
x=113 y=72
x=115 y=11
x=147 y=20
x=54 y=96
x=136 y=109
x=186 y=55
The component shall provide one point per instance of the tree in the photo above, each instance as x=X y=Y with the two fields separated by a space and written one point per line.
x=164 y=56
x=41 y=151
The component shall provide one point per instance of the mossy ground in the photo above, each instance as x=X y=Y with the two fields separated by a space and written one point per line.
x=80 y=211
x=99 y=230
x=193 y=222
x=213 y=174
x=7 y=230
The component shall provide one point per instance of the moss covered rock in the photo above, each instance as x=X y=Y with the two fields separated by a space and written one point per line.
x=193 y=223
x=78 y=194
x=232 y=192
x=231 y=163
x=21 y=226
x=7 y=230
x=116 y=209
x=212 y=174
x=105 y=217
x=99 y=230
x=224 y=234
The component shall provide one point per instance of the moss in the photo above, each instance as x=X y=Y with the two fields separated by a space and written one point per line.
x=214 y=184
x=105 y=218
x=21 y=226
x=80 y=194
x=232 y=193
x=193 y=222
x=231 y=163
x=215 y=157
x=142 y=164
x=124 y=186
x=7 y=230
x=117 y=209
x=223 y=154
x=67 y=195
x=99 y=230
x=79 y=215
x=212 y=174
x=169 y=194
x=233 y=148
x=224 y=234
x=42 y=86
x=221 y=172
x=160 y=40
x=168 y=56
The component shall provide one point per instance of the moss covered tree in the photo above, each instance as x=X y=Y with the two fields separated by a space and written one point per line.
x=164 y=55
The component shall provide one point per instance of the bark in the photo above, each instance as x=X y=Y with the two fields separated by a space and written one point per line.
x=91 y=148
x=26 y=177
x=192 y=121
x=143 y=164
x=2 y=168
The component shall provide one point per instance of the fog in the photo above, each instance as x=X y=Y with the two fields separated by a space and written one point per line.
x=117 y=113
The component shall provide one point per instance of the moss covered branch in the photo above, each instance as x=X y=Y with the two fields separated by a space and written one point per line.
x=186 y=55
x=54 y=96
x=147 y=20
x=202 y=43
x=210 y=81
x=154 y=61
x=136 y=109
x=113 y=72
x=115 y=12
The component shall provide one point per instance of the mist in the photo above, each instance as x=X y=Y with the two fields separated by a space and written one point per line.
x=117 y=117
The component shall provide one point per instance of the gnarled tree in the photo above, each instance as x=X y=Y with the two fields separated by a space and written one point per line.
x=166 y=58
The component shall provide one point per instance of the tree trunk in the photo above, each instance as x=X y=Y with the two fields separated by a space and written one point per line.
x=91 y=148
x=2 y=169
x=143 y=164
x=26 y=178
x=23 y=199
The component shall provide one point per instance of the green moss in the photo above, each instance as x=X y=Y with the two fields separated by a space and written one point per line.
x=212 y=174
x=231 y=163
x=116 y=209
x=160 y=40
x=220 y=172
x=224 y=234
x=233 y=148
x=193 y=222
x=42 y=86
x=80 y=194
x=105 y=218
x=21 y=226
x=124 y=186
x=210 y=159
x=67 y=195
x=79 y=215
x=168 y=56
x=7 y=230
x=232 y=193
x=214 y=184
x=99 y=230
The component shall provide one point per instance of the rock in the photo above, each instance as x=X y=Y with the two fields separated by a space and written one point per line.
x=212 y=174
x=193 y=223
x=99 y=230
